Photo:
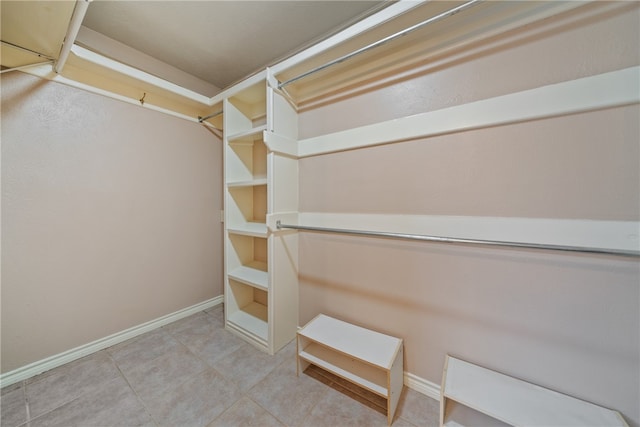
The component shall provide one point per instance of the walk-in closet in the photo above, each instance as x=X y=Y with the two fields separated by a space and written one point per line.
x=318 y=213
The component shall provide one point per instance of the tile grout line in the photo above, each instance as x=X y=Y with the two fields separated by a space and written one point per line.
x=322 y=396
x=206 y=363
x=29 y=419
x=246 y=394
x=208 y=367
x=133 y=390
x=26 y=403
x=308 y=414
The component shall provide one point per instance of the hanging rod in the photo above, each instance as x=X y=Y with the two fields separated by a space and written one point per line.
x=406 y=31
x=210 y=116
x=24 y=49
x=22 y=67
x=439 y=239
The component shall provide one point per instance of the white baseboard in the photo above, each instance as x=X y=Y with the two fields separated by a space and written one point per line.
x=412 y=381
x=423 y=386
x=54 y=361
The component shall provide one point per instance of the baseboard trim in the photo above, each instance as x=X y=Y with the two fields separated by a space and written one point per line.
x=422 y=386
x=54 y=361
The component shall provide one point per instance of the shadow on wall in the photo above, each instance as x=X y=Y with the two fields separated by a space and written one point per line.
x=26 y=88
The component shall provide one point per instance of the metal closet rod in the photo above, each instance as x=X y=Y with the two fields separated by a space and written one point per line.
x=404 y=32
x=439 y=239
x=210 y=116
x=22 y=67
x=24 y=49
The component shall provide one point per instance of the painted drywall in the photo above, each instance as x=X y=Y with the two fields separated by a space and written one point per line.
x=110 y=217
x=570 y=322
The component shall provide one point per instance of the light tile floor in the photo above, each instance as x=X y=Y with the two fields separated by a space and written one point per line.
x=194 y=373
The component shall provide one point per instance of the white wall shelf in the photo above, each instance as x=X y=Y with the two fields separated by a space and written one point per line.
x=251 y=320
x=254 y=229
x=258 y=180
x=367 y=358
x=607 y=90
x=512 y=401
x=255 y=274
x=247 y=136
x=247 y=204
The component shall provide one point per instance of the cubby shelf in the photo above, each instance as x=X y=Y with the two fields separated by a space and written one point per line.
x=252 y=318
x=254 y=229
x=257 y=180
x=247 y=205
x=247 y=136
x=254 y=274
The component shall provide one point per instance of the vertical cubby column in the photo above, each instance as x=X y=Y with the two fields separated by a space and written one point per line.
x=261 y=265
x=247 y=276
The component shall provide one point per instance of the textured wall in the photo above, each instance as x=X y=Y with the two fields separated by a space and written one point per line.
x=110 y=217
x=570 y=322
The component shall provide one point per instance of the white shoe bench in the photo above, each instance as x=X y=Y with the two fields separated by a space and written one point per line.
x=369 y=359
x=476 y=396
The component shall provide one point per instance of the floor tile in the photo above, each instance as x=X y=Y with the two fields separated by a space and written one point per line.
x=217 y=312
x=418 y=409
x=336 y=409
x=13 y=406
x=245 y=412
x=164 y=372
x=215 y=346
x=141 y=350
x=288 y=352
x=288 y=397
x=63 y=385
x=372 y=400
x=114 y=404
x=349 y=389
x=195 y=402
x=246 y=366
x=401 y=422
x=193 y=372
x=12 y=387
x=191 y=324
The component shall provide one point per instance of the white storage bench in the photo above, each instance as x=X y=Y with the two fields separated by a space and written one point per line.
x=473 y=396
x=369 y=359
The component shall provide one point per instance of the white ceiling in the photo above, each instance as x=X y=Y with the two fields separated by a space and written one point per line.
x=222 y=42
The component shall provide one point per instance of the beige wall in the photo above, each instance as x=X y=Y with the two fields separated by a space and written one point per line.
x=110 y=217
x=570 y=322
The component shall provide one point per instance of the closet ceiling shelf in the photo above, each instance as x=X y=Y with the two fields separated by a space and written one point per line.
x=382 y=41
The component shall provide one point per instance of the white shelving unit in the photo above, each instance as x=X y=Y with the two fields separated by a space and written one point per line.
x=261 y=296
x=473 y=395
x=369 y=359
